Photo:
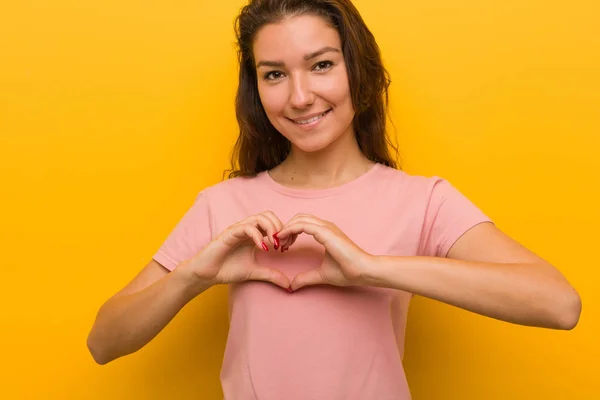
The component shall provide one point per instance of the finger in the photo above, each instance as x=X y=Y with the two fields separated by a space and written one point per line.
x=243 y=232
x=265 y=225
x=270 y=275
x=278 y=225
x=308 y=278
x=274 y=219
x=288 y=241
x=319 y=232
x=306 y=218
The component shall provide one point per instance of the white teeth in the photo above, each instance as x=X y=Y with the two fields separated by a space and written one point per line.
x=313 y=119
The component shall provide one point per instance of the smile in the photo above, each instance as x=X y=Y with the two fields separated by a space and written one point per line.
x=310 y=121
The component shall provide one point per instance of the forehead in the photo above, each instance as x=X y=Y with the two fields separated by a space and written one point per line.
x=292 y=38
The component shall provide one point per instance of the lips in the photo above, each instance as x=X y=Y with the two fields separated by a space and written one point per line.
x=309 y=118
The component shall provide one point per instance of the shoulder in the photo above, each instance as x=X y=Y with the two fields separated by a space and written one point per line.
x=395 y=178
x=419 y=192
x=231 y=186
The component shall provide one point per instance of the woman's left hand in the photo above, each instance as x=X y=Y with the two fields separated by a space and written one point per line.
x=345 y=264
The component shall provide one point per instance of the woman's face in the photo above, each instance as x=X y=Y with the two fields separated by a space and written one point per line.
x=303 y=82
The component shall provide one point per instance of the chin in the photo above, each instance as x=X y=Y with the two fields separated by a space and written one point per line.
x=313 y=147
x=313 y=144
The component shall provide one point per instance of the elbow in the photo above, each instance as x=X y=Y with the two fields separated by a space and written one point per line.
x=568 y=310
x=99 y=356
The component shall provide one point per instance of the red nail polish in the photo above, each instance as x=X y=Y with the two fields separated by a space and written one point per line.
x=290 y=290
x=264 y=246
x=276 y=240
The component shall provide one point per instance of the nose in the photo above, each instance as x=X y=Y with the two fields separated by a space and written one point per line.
x=301 y=95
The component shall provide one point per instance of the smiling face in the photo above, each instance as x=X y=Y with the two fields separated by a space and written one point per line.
x=303 y=81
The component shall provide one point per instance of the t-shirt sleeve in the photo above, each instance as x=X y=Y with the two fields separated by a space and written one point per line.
x=189 y=236
x=448 y=216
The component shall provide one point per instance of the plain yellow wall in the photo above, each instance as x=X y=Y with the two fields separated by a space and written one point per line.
x=113 y=115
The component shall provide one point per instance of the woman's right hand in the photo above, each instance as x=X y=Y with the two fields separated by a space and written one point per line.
x=230 y=258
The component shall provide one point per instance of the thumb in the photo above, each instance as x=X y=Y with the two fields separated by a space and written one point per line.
x=308 y=278
x=260 y=273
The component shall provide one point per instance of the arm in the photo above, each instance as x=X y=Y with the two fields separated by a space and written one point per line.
x=135 y=315
x=488 y=273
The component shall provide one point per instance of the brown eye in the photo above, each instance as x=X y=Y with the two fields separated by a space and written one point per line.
x=273 y=75
x=323 y=65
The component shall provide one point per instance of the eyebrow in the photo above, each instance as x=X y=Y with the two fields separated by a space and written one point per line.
x=307 y=57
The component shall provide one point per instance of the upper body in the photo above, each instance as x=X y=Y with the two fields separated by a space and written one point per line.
x=362 y=235
x=323 y=341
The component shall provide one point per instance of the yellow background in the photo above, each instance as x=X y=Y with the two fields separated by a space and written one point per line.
x=113 y=115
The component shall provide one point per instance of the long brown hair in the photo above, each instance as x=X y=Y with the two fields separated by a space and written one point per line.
x=260 y=146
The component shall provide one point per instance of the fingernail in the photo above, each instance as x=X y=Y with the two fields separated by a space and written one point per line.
x=276 y=239
x=264 y=246
x=290 y=289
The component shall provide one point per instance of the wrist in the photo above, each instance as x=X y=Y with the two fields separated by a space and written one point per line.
x=374 y=274
x=189 y=282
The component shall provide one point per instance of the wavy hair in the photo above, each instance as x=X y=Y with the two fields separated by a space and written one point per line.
x=260 y=146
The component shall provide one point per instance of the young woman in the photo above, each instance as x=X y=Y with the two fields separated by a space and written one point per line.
x=321 y=239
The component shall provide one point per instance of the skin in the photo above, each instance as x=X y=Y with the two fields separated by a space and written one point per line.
x=292 y=87
x=486 y=271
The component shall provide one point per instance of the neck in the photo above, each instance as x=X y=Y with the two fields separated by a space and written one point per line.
x=338 y=163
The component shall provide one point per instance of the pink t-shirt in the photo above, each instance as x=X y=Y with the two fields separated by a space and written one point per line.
x=323 y=342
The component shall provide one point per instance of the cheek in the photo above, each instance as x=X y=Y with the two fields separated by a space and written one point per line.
x=341 y=96
x=337 y=90
x=272 y=98
x=342 y=100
